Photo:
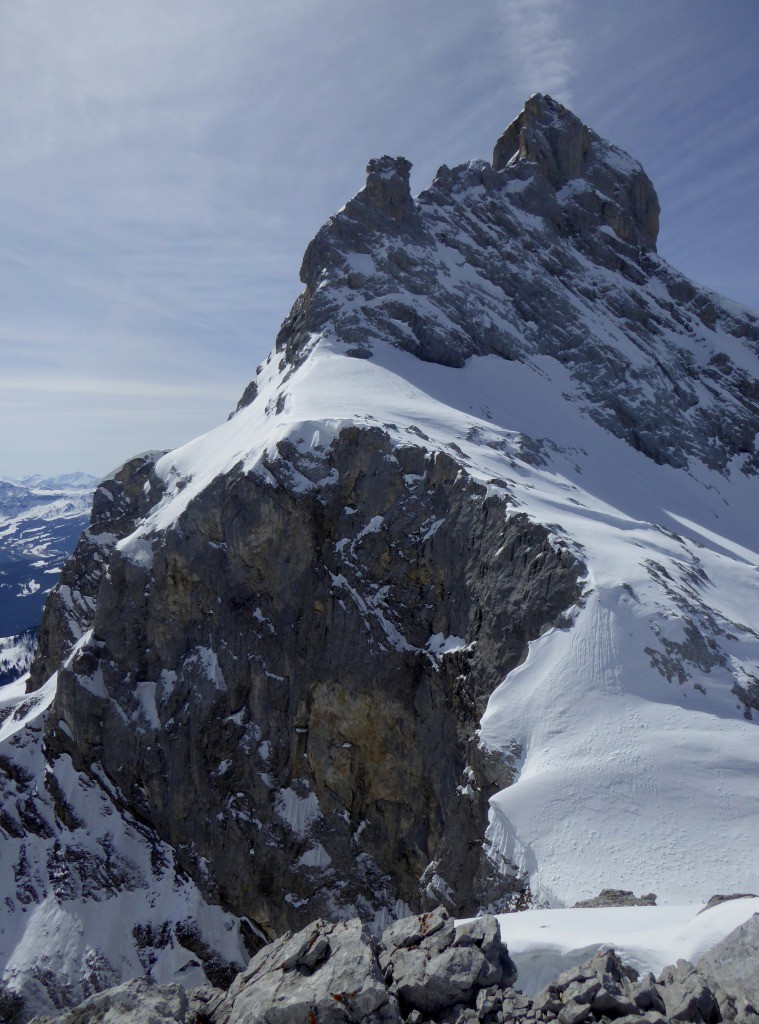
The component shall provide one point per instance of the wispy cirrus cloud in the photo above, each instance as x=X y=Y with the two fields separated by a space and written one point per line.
x=114 y=387
x=540 y=47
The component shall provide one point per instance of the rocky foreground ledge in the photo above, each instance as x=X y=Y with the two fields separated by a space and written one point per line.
x=427 y=969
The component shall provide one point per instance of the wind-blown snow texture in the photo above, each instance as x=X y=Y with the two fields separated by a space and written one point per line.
x=516 y=318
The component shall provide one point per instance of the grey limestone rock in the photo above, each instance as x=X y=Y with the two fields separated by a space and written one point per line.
x=410 y=931
x=118 y=503
x=326 y=973
x=431 y=965
x=387 y=187
x=574 y=1012
x=619 y=898
x=209 y=1005
x=645 y=994
x=687 y=996
x=426 y=970
x=318 y=768
x=733 y=963
x=139 y=1001
x=565 y=149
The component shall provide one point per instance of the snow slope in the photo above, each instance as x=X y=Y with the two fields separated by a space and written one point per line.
x=16 y=653
x=40 y=522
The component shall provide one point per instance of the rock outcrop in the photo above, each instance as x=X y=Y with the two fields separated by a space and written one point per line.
x=327 y=972
x=733 y=963
x=432 y=966
x=425 y=970
x=619 y=898
x=537 y=254
x=565 y=150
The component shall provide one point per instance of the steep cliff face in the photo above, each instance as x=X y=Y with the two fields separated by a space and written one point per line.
x=289 y=691
x=459 y=606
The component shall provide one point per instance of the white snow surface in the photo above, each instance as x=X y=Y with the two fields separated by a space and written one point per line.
x=629 y=779
x=544 y=943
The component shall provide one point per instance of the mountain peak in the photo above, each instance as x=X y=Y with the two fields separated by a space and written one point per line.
x=618 y=191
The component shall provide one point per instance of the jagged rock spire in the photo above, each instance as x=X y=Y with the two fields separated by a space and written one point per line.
x=565 y=149
x=387 y=186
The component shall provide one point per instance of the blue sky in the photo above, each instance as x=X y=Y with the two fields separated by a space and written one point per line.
x=164 y=164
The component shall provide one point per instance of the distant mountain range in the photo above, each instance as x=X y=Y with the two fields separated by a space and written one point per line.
x=41 y=519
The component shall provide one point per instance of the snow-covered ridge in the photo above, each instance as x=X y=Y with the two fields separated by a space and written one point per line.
x=640 y=716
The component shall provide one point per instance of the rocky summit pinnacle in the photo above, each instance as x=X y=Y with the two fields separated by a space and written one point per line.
x=548 y=251
x=620 y=193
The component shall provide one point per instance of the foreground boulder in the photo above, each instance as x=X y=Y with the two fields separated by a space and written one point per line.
x=330 y=973
x=733 y=964
x=605 y=989
x=431 y=965
x=327 y=973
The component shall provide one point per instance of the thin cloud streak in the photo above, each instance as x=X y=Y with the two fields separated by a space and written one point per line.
x=108 y=386
x=541 y=51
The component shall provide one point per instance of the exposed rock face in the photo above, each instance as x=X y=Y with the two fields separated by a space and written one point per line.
x=387 y=187
x=139 y=1001
x=565 y=149
x=337 y=761
x=118 y=503
x=71 y=850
